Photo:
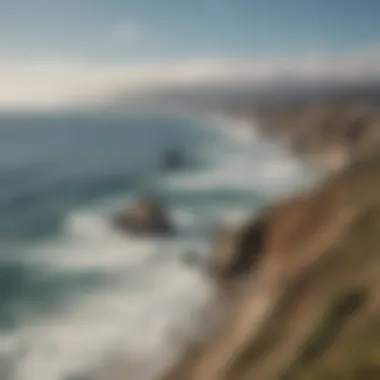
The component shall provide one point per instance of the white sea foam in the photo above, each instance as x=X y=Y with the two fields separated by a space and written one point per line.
x=115 y=323
x=254 y=165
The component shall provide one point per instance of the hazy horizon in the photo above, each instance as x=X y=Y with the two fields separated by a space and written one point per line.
x=61 y=54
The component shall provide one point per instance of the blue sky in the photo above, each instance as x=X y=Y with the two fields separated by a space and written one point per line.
x=59 y=52
x=156 y=30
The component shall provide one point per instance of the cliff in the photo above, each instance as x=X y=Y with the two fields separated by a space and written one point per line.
x=331 y=134
x=301 y=282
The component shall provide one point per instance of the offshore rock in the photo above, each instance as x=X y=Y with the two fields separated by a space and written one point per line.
x=145 y=217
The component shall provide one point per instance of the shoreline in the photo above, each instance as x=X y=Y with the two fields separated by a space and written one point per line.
x=330 y=136
x=117 y=372
x=330 y=159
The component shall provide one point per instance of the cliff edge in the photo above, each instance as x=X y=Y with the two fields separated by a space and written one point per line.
x=301 y=282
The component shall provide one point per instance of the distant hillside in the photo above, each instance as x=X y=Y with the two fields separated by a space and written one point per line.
x=331 y=133
x=237 y=98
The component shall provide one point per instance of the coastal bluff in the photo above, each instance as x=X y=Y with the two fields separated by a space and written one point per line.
x=301 y=282
x=329 y=134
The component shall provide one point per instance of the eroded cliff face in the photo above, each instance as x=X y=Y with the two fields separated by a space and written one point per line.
x=331 y=134
x=302 y=283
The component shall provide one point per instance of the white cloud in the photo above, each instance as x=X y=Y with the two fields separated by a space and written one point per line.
x=48 y=84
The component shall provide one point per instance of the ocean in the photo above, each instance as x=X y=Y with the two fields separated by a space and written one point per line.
x=76 y=296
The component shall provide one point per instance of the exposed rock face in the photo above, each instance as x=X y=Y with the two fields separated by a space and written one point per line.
x=237 y=251
x=145 y=217
x=303 y=285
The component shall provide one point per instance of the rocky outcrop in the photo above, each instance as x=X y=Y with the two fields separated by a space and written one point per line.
x=302 y=283
x=172 y=159
x=145 y=217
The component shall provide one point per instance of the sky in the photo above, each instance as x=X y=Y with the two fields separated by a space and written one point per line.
x=53 y=50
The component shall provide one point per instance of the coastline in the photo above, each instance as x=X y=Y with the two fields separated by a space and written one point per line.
x=328 y=135
x=141 y=371
x=339 y=164
x=238 y=169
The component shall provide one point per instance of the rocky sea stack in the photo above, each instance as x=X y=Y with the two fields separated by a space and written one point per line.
x=145 y=217
x=173 y=160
